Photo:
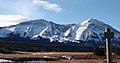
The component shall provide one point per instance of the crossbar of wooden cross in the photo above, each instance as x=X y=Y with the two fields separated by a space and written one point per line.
x=108 y=33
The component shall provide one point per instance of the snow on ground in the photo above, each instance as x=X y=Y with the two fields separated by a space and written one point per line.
x=3 y=60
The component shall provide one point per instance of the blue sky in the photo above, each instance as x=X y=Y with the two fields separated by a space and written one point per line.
x=63 y=11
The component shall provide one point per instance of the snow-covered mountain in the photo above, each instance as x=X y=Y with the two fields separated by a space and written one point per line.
x=88 y=30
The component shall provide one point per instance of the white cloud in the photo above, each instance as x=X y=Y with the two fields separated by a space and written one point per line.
x=48 y=5
x=21 y=7
x=12 y=18
x=6 y=20
x=3 y=24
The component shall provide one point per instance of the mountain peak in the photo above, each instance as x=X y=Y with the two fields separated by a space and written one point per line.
x=90 y=29
x=90 y=21
x=39 y=20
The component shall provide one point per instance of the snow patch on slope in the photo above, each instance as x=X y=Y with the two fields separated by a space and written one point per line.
x=87 y=30
x=67 y=32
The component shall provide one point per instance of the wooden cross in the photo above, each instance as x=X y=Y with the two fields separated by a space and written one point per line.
x=108 y=35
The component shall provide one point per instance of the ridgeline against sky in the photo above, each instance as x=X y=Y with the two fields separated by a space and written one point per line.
x=60 y=11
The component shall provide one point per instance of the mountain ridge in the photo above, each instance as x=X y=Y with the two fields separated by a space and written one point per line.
x=88 y=30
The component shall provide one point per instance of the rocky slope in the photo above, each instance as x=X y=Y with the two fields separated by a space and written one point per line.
x=91 y=31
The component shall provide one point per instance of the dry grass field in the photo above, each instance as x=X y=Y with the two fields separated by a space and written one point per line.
x=60 y=57
x=75 y=61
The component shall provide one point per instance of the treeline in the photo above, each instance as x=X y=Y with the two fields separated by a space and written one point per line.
x=9 y=46
x=16 y=43
x=101 y=51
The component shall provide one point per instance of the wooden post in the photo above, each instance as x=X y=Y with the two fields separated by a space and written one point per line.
x=108 y=36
